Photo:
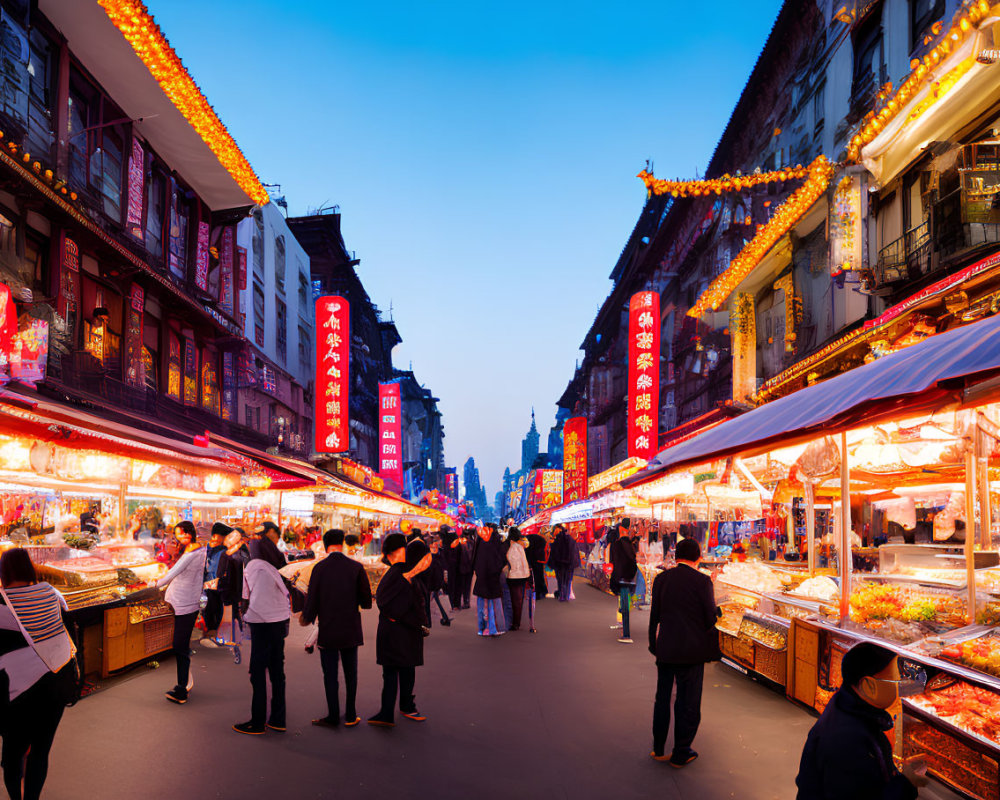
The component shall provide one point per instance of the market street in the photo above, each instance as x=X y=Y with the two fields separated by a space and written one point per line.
x=559 y=714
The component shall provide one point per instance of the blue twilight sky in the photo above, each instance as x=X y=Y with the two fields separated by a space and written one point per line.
x=483 y=156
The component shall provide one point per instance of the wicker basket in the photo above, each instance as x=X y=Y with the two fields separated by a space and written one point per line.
x=738 y=649
x=158 y=635
x=772 y=664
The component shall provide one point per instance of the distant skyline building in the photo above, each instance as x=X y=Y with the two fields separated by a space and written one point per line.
x=529 y=445
x=474 y=490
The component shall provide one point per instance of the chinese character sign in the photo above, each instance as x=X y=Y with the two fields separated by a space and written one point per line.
x=136 y=179
x=643 y=374
x=575 y=458
x=333 y=338
x=551 y=481
x=390 y=436
x=201 y=257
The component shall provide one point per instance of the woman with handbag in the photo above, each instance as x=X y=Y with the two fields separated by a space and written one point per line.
x=185 y=582
x=37 y=672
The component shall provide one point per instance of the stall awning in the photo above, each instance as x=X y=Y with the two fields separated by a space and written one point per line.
x=285 y=473
x=918 y=378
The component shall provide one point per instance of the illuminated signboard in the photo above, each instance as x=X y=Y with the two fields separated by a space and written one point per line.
x=643 y=374
x=575 y=458
x=333 y=341
x=390 y=436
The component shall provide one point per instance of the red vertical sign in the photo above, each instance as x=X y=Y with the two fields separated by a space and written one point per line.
x=643 y=374
x=136 y=189
x=226 y=271
x=201 y=257
x=333 y=341
x=575 y=458
x=390 y=436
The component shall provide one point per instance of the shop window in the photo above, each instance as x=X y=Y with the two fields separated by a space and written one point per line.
x=279 y=264
x=258 y=314
x=26 y=83
x=258 y=247
x=281 y=331
x=174 y=366
x=210 y=381
x=180 y=222
x=102 y=328
x=156 y=199
x=923 y=14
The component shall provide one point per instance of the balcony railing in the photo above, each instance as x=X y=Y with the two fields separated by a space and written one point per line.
x=905 y=259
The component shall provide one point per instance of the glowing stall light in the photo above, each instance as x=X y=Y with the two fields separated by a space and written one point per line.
x=727 y=183
x=139 y=28
x=15 y=455
x=218 y=483
x=144 y=471
x=785 y=218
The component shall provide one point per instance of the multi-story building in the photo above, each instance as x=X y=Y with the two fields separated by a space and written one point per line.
x=423 y=437
x=278 y=321
x=848 y=210
x=118 y=217
x=475 y=492
x=332 y=270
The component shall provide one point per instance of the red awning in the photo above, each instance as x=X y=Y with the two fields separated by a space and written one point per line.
x=921 y=377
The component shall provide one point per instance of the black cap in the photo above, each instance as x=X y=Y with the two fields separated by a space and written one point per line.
x=221 y=529
x=392 y=543
x=266 y=526
x=415 y=551
x=863 y=661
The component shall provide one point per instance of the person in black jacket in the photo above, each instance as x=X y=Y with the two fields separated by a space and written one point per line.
x=682 y=636
x=435 y=580
x=450 y=554
x=399 y=643
x=230 y=575
x=623 y=572
x=847 y=754
x=564 y=558
x=488 y=561
x=338 y=590
x=537 y=552
x=465 y=546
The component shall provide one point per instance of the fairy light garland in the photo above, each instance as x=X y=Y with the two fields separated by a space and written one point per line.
x=889 y=106
x=784 y=219
x=727 y=183
x=139 y=28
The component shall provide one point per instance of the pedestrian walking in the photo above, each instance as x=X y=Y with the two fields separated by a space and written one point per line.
x=488 y=563
x=847 y=753
x=211 y=615
x=518 y=575
x=436 y=581
x=399 y=643
x=465 y=567
x=338 y=590
x=538 y=556
x=230 y=574
x=623 y=576
x=564 y=558
x=451 y=553
x=36 y=658
x=266 y=610
x=185 y=582
x=683 y=638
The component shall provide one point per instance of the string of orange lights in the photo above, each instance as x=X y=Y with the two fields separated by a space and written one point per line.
x=727 y=183
x=139 y=28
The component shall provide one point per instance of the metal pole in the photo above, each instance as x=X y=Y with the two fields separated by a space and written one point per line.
x=970 y=531
x=811 y=526
x=845 y=530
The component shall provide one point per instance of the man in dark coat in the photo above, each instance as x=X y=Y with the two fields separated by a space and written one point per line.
x=564 y=558
x=338 y=590
x=847 y=754
x=537 y=552
x=450 y=555
x=488 y=561
x=623 y=572
x=683 y=637
x=399 y=642
x=465 y=571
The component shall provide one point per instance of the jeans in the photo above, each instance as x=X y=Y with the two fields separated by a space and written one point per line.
x=517 y=587
x=267 y=659
x=328 y=658
x=183 y=628
x=489 y=616
x=625 y=591
x=564 y=579
x=405 y=677
x=212 y=614
x=32 y=720
x=687 y=706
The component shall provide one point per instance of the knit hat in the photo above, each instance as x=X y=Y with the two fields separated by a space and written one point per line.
x=392 y=543
x=221 y=529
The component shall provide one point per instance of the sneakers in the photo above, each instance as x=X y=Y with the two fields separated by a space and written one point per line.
x=249 y=728
x=660 y=757
x=278 y=728
x=190 y=684
x=445 y=622
x=415 y=715
x=327 y=722
x=625 y=640
x=381 y=722
x=679 y=760
x=350 y=723
x=175 y=695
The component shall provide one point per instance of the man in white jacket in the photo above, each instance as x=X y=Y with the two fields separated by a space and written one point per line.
x=267 y=612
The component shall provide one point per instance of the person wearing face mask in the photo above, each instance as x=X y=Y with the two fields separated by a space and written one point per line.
x=847 y=753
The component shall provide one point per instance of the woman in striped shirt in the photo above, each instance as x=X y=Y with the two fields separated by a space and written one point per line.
x=34 y=647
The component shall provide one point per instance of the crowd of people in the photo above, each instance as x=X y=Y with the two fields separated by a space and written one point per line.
x=846 y=754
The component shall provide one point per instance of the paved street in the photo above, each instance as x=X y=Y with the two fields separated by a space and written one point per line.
x=559 y=714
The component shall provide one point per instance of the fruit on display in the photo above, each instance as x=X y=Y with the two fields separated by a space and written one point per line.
x=971 y=708
x=982 y=654
x=873 y=602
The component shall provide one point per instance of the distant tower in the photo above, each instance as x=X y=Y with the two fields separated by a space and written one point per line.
x=529 y=445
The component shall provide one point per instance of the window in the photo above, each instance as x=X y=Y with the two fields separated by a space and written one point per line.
x=303 y=294
x=180 y=222
x=923 y=13
x=151 y=352
x=26 y=83
x=305 y=349
x=190 y=373
x=258 y=314
x=174 y=366
x=96 y=146
x=156 y=199
x=258 y=247
x=248 y=416
x=102 y=329
x=210 y=381
x=106 y=171
x=868 y=56
x=279 y=264
x=281 y=332
x=819 y=108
